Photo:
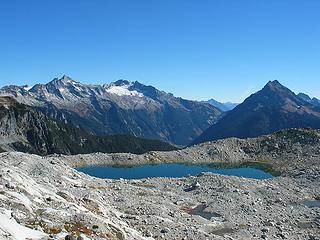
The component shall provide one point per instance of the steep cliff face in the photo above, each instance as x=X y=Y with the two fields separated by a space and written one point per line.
x=22 y=128
x=25 y=129
x=121 y=107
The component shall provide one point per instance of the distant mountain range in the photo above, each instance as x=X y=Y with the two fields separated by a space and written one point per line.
x=23 y=128
x=54 y=117
x=222 y=106
x=121 y=107
x=273 y=108
x=314 y=101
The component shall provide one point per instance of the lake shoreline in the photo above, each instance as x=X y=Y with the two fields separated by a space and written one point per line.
x=173 y=157
x=175 y=170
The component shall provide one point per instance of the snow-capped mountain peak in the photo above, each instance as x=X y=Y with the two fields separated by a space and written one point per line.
x=63 y=82
x=121 y=107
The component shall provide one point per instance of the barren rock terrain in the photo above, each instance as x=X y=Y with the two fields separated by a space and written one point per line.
x=45 y=198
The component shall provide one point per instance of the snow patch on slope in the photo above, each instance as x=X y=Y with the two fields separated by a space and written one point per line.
x=10 y=229
x=123 y=91
x=27 y=88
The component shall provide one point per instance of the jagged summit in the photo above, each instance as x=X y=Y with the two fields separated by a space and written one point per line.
x=64 y=78
x=273 y=83
x=122 y=82
x=275 y=86
x=63 y=81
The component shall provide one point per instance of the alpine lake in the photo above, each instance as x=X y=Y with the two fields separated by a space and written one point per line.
x=173 y=170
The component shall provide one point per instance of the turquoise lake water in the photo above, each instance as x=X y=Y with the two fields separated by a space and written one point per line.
x=169 y=170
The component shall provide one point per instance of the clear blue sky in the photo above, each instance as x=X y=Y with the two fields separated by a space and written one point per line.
x=196 y=49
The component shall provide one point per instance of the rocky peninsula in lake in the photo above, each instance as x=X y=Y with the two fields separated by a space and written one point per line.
x=47 y=198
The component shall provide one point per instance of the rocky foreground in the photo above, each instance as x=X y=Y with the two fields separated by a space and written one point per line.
x=45 y=198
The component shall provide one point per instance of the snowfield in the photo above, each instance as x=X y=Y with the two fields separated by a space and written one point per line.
x=123 y=91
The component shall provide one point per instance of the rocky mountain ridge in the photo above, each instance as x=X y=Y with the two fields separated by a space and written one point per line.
x=314 y=101
x=273 y=108
x=121 y=107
